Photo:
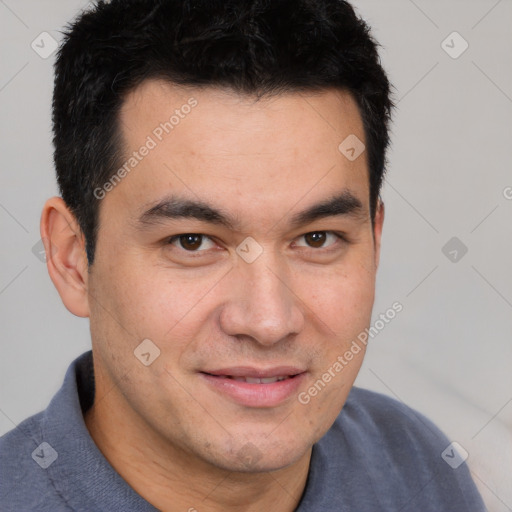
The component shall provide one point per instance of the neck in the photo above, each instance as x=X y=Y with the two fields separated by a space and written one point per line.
x=171 y=479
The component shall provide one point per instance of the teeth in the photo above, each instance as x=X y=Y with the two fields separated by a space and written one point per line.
x=256 y=380
x=253 y=380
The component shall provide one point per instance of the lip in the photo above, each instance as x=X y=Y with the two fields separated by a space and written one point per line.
x=255 y=394
x=259 y=373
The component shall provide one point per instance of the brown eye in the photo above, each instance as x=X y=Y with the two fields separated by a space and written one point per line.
x=192 y=242
x=319 y=239
x=316 y=239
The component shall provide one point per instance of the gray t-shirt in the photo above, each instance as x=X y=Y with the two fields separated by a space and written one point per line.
x=379 y=455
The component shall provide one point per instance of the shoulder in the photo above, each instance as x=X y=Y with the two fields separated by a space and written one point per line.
x=401 y=455
x=389 y=419
x=16 y=447
x=388 y=425
x=384 y=427
x=25 y=474
x=24 y=483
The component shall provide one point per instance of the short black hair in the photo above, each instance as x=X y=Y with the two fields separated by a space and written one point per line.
x=254 y=47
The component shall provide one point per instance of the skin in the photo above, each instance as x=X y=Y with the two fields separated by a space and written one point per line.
x=163 y=426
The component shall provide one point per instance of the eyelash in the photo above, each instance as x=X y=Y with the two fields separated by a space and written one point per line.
x=340 y=236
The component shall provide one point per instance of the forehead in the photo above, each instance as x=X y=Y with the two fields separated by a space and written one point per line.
x=214 y=144
x=155 y=105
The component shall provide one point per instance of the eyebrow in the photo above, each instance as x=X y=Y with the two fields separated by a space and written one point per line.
x=344 y=204
x=174 y=207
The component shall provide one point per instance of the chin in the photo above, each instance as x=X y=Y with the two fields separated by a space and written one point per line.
x=260 y=456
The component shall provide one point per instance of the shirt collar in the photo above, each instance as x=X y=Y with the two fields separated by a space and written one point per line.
x=81 y=474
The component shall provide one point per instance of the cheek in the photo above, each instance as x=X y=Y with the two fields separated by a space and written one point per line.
x=157 y=303
x=342 y=299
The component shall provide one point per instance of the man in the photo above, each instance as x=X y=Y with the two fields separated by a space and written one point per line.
x=220 y=225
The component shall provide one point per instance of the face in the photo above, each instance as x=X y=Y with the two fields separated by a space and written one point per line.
x=240 y=245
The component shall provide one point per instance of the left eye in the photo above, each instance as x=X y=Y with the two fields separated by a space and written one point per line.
x=318 y=239
x=192 y=242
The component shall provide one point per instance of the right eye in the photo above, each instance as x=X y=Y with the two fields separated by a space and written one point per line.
x=192 y=242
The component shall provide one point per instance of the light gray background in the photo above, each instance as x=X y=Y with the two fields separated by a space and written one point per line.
x=448 y=353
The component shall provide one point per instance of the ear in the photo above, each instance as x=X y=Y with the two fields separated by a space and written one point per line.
x=377 y=230
x=66 y=258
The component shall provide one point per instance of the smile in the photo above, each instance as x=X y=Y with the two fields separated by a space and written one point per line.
x=250 y=387
x=255 y=380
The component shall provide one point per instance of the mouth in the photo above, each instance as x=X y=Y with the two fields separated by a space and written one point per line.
x=256 y=380
x=253 y=387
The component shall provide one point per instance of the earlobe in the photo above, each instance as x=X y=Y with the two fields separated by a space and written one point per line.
x=377 y=230
x=66 y=259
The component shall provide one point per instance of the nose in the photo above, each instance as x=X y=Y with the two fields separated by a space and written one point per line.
x=262 y=304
